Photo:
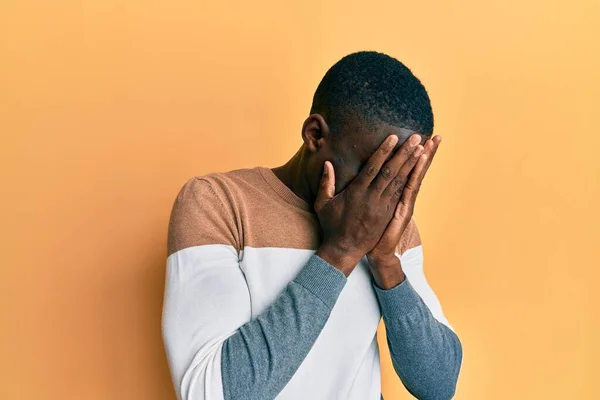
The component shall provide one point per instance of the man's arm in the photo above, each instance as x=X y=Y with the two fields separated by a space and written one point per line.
x=425 y=351
x=215 y=350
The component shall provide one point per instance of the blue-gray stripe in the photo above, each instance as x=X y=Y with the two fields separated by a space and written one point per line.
x=426 y=354
x=261 y=357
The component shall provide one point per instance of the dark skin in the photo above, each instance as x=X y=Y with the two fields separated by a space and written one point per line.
x=363 y=183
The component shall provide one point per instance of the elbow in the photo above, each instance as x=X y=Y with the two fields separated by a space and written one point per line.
x=433 y=388
x=195 y=379
x=445 y=386
x=438 y=390
x=444 y=391
x=195 y=385
x=441 y=379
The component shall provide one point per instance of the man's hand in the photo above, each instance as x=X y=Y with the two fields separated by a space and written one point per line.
x=353 y=221
x=384 y=264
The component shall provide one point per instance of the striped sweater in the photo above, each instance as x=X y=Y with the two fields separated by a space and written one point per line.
x=251 y=312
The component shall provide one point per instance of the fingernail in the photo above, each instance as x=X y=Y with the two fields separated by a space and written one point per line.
x=415 y=139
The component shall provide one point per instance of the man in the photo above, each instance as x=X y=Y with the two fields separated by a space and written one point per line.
x=277 y=278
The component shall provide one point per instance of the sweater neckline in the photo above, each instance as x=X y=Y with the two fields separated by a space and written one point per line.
x=283 y=191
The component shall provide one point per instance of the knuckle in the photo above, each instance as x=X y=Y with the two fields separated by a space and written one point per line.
x=398 y=181
x=370 y=169
x=386 y=172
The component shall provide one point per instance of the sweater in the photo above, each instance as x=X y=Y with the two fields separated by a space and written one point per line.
x=251 y=312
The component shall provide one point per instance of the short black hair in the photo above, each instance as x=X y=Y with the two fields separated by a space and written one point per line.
x=378 y=88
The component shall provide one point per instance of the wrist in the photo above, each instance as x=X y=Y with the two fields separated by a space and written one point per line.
x=388 y=260
x=387 y=271
x=341 y=259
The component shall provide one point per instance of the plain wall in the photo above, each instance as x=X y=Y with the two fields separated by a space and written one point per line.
x=108 y=107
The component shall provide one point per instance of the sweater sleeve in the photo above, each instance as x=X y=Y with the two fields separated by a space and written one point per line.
x=425 y=351
x=215 y=349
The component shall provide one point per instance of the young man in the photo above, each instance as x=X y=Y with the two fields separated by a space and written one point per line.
x=277 y=278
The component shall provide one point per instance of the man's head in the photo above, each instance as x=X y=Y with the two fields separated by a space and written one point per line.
x=362 y=99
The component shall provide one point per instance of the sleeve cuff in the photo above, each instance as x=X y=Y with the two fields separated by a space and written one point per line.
x=321 y=279
x=398 y=301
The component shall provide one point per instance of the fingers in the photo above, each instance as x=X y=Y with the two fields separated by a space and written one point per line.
x=373 y=165
x=326 y=186
x=434 y=144
x=431 y=147
x=403 y=155
x=412 y=187
x=395 y=186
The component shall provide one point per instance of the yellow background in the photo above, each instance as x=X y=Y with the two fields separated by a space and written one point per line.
x=107 y=107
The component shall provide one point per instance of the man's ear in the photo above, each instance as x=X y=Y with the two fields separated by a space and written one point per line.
x=314 y=132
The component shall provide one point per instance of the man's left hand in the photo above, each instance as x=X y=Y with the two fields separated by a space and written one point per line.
x=384 y=264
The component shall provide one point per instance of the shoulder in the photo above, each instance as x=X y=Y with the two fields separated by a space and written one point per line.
x=224 y=185
x=215 y=186
x=204 y=210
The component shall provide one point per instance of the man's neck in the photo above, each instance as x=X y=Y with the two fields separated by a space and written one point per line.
x=292 y=175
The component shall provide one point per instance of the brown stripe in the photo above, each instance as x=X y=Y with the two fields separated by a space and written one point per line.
x=248 y=207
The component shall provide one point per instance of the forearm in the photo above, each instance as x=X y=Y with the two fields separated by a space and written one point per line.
x=262 y=356
x=426 y=354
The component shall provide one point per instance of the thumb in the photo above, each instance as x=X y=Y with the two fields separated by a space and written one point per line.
x=326 y=186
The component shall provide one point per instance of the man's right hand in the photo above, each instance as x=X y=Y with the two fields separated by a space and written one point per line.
x=354 y=220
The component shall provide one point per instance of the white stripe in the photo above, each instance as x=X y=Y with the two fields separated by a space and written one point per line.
x=412 y=265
